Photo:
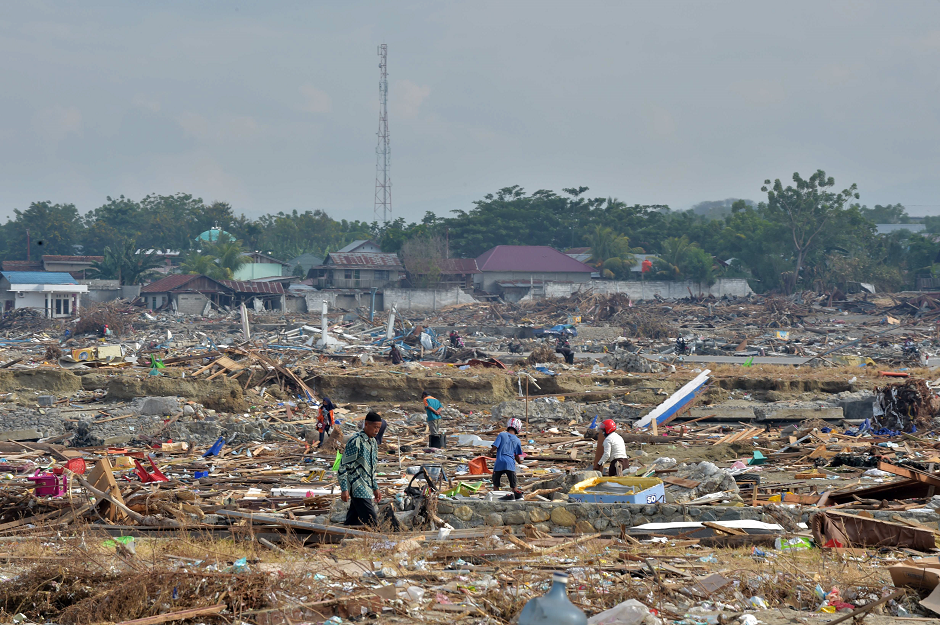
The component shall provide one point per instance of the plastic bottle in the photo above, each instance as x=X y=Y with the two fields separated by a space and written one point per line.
x=553 y=608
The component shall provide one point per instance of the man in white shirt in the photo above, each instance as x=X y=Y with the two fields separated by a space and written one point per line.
x=614 y=449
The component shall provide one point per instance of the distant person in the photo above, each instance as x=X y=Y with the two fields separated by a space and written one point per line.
x=508 y=450
x=515 y=348
x=395 y=355
x=432 y=408
x=325 y=420
x=106 y=332
x=568 y=354
x=357 y=473
x=455 y=339
x=381 y=433
x=614 y=449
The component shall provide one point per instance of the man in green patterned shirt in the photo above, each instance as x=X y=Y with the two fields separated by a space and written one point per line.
x=357 y=473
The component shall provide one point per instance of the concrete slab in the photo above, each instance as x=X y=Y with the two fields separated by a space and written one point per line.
x=20 y=435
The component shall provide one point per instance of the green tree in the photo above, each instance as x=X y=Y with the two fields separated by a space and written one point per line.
x=805 y=209
x=126 y=264
x=228 y=255
x=196 y=262
x=890 y=214
x=53 y=229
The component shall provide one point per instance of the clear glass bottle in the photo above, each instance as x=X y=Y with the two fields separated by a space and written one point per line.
x=554 y=607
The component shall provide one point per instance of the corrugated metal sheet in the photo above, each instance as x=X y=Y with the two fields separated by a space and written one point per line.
x=22 y=265
x=531 y=258
x=39 y=277
x=459 y=265
x=169 y=283
x=370 y=260
x=50 y=258
x=271 y=288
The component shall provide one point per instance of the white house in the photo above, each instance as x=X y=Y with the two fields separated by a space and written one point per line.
x=56 y=294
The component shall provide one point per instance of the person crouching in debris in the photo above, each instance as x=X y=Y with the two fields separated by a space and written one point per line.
x=515 y=348
x=432 y=408
x=614 y=449
x=508 y=450
x=325 y=420
x=357 y=473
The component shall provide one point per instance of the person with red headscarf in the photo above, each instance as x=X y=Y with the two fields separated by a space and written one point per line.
x=614 y=449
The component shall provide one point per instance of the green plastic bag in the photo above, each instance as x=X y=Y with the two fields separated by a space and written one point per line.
x=339 y=459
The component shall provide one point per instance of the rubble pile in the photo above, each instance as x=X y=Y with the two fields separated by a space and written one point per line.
x=795 y=430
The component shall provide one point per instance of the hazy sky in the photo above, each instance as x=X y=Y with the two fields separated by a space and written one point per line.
x=274 y=106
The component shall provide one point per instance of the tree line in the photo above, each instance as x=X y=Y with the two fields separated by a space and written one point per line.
x=805 y=233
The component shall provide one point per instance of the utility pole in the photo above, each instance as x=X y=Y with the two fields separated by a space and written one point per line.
x=383 y=182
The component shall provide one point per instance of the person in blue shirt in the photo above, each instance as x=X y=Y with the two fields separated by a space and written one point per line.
x=432 y=408
x=508 y=450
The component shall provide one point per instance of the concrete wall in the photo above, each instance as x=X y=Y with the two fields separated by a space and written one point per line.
x=347 y=300
x=733 y=287
x=191 y=303
x=107 y=290
x=488 y=279
x=37 y=300
x=253 y=271
x=561 y=517
x=295 y=304
x=424 y=299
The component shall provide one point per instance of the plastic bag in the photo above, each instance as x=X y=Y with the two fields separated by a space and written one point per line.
x=630 y=612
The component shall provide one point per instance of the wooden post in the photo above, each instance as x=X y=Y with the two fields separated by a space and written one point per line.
x=527 y=403
x=655 y=425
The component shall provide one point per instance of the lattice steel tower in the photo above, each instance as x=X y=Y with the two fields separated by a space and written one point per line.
x=383 y=182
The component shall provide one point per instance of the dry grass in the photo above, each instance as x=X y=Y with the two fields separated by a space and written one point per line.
x=91 y=583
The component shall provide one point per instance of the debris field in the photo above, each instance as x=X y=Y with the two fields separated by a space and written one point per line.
x=783 y=457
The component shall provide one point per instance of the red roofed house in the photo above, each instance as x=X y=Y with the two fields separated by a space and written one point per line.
x=193 y=294
x=517 y=270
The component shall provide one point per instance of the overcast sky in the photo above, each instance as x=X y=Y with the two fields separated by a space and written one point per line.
x=274 y=106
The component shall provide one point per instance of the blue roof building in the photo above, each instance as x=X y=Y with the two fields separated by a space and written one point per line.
x=56 y=294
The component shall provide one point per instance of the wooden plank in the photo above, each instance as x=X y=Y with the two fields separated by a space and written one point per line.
x=182 y=615
x=913 y=474
x=731 y=531
x=679 y=481
x=806 y=500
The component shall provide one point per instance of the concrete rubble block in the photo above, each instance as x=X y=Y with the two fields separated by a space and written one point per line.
x=46 y=400
x=464 y=513
x=797 y=411
x=494 y=519
x=20 y=435
x=858 y=408
x=564 y=518
x=445 y=508
x=516 y=517
x=543 y=527
x=600 y=524
x=539 y=515
x=584 y=527
x=162 y=406
x=634 y=363
x=730 y=412
x=711 y=479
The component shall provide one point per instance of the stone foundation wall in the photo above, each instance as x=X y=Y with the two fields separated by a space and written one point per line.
x=561 y=517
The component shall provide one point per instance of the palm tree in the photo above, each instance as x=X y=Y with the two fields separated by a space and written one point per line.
x=229 y=255
x=126 y=264
x=203 y=264
x=610 y=250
